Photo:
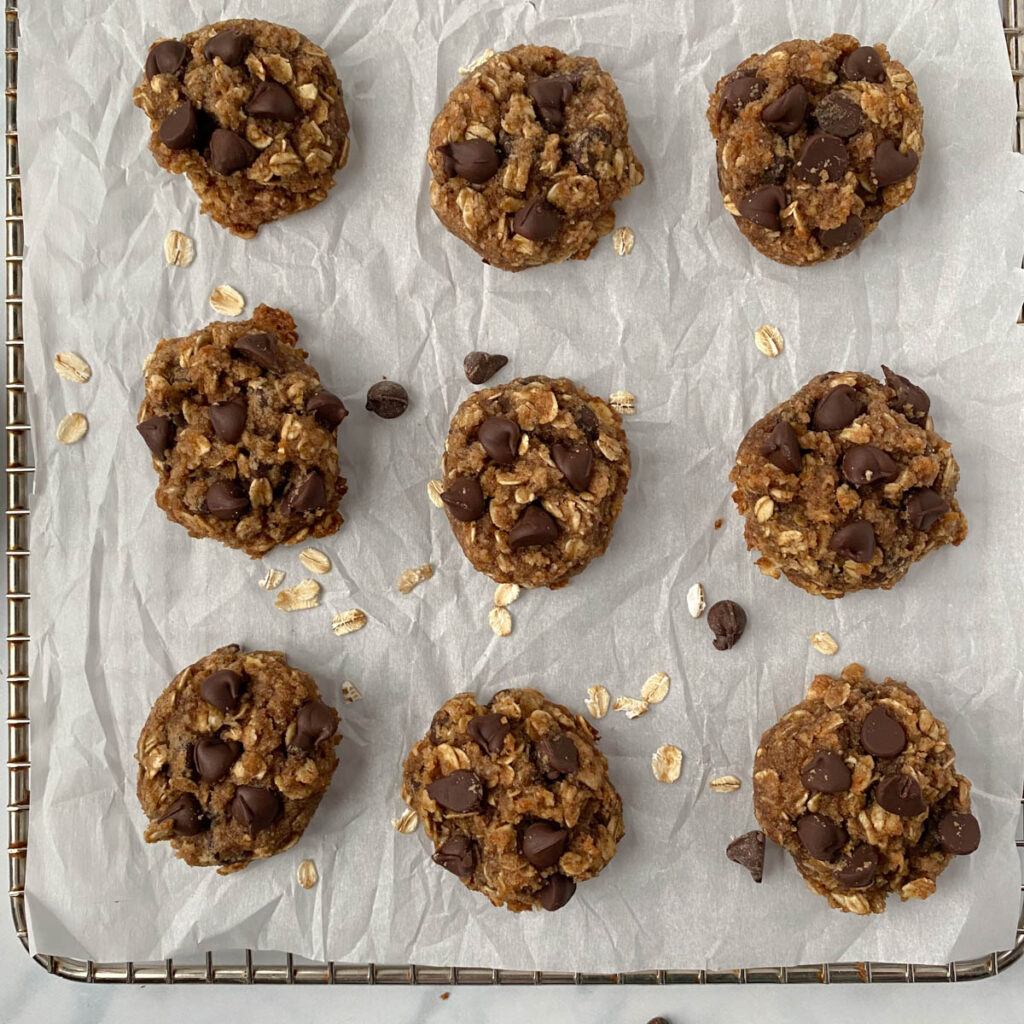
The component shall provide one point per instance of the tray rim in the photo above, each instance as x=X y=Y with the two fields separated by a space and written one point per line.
x=248 y=966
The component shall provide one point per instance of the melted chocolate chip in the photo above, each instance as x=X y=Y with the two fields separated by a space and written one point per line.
x=230 y=152
x=261 y=349
x=550 y=96
x=747 y=850
x=500 y=438
x=456 y=854
x=557 y=892
x=866 y=464
x=535 y=527
x=925 y=508
x=544 y=843
x=822 y=158
x=854 y=541
x=166 y=58
x=214 y=757
x=185 y=816
x=739 y=91
x=537 y=220
x=901 y=794
x=821 y=837
x=476 y=160
x=387 y=399
x=782 y=449
x=489 y=731
x=786 y=114
x=849 y=232
x=461 y=791
x=858 y=870
x=575 y=464
x=480 y=367
x=909 y=399
x=226 y=499
x=229 y=45
x=307 y=496
x=727 y=620
x=224 y=690
x=158 y=433
x=959 y=832
x=838 y=409
x=838 y=114
x=889 y=165
x=228 y=419
x=328 y=409
x=826 y=772
x=464 y=499
x=762 y=206
x=314 y=723
x=255 y=808
x=180 y=129
x=557 y=755
x=586 y=420
x=271 y=99
x=864 y=65
x=881 y=735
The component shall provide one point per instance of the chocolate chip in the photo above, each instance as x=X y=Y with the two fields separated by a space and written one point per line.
x=328 y=409
x=255 y=808
x=537 y=220
x=544 y=843
x=271 y=99
x=489 y=731
x=186 y=817
x=166 y=58
x=464 y=499
x=179 y=129
x=727 y=621
x=462 y=791
x=558 y=891
x=550 y=96
x=859 y=868
x=213 y=758
x=230 y=152
x=889 y=165
x=864 y=65
x=228 y=418
x=822 y=157
x=307 y=496
x=314 y=723
x=838 y=409
x=924 y=508
x=158 y=433
x=456 y=854
x=959 y=832
x=821 y=837
x=850 y=231
x=782 y=449
x=586 y=420
x=589 y=147
x=261 y=349
x=557 y=755
x=481 y=366
x=881 y=735
x=476 y=160
x=387 y=399
x=838 y=114
x=826 y=772
x=223 y=690
x=575 y=464
x=910 y=400
x=226 y=499
x=535 y=527
x=762 y=206
x=230 y=45
x=500 y=438
x=854 y=541
x=786 y=114
x=739 y=91
x=900 y=794
x=747 y=850
x=866 y=464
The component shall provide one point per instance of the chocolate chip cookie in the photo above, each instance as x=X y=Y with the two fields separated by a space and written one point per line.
x=252 y=113
x=846 y=484
x=534 y=476
x=528 y=155
x=234 y=758
x=858 y=783
x=515 y=797
x=816 y=143
x=243 y=435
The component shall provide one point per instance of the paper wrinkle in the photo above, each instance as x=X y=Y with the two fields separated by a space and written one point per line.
x=122 y=599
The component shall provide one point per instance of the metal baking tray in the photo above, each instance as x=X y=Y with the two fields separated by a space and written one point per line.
x=255 y=966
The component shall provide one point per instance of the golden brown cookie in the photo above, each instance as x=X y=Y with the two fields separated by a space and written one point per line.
x=858 y=783
x=515 y=797
x=816 y=143
x=234 y=758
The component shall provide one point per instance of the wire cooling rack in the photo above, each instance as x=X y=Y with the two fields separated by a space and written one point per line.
x=253 y=966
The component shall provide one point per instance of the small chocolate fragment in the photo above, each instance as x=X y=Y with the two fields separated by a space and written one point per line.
x=881 y=735
x=464 y=499
x=226 y=499
x=786 y=114
x=307 y=496
x=838 y=409
x=925 y=507
x=500 y=438
x=727 y=620
x=387 y=399
x=739 y=91
x=271 y=99
x=866 y=464
x=489 y=731
x=763 y=205
x=900 y=794
x=826 y=772
x=456 y=854
x=186 y=816
x=575 y=464
x=537 y=220
x=747 y=850
x=864 y=65
x=230 y=152
x=180 y=129
x=782 y=449
x=313 y=724
x=854 y=541
x=550 y=96
x=166 y=58
x=889 y=165
x=910 y=400
x=558 y=891
x=480 y=367
x=959 y=832
x=589 y=147
x=223 y=690
x=821 y=837
x=859 y=868
x=557 y=755
x=461 y=791
x=476 y=160
x=838 y=114
x=544 y=843
x=822 y=157
x=158 y=433
x=229 y=45
x=228 y=418
x=586 y=420
x=850 y=231
x=214 y=757
x=328 y=409
x=255 y=808
x=535 y=527
x=261 y=349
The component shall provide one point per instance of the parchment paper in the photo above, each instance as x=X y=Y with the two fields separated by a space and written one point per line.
x=122 y=599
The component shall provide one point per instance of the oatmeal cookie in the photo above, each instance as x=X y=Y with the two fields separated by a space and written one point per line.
x=534 y=475
x=528 y=155
x=234 y=758
x=515 y=797
x=816 y=143
x=858 y=783
x=252 y=113
x=846 y=484
x=243 y=435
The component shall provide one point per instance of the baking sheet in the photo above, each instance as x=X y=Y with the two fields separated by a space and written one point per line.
x=122 y=599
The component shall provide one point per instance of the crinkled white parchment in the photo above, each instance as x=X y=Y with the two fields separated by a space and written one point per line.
x=122 y=599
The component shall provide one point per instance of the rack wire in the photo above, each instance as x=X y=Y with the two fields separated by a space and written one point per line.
x=257 y=967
